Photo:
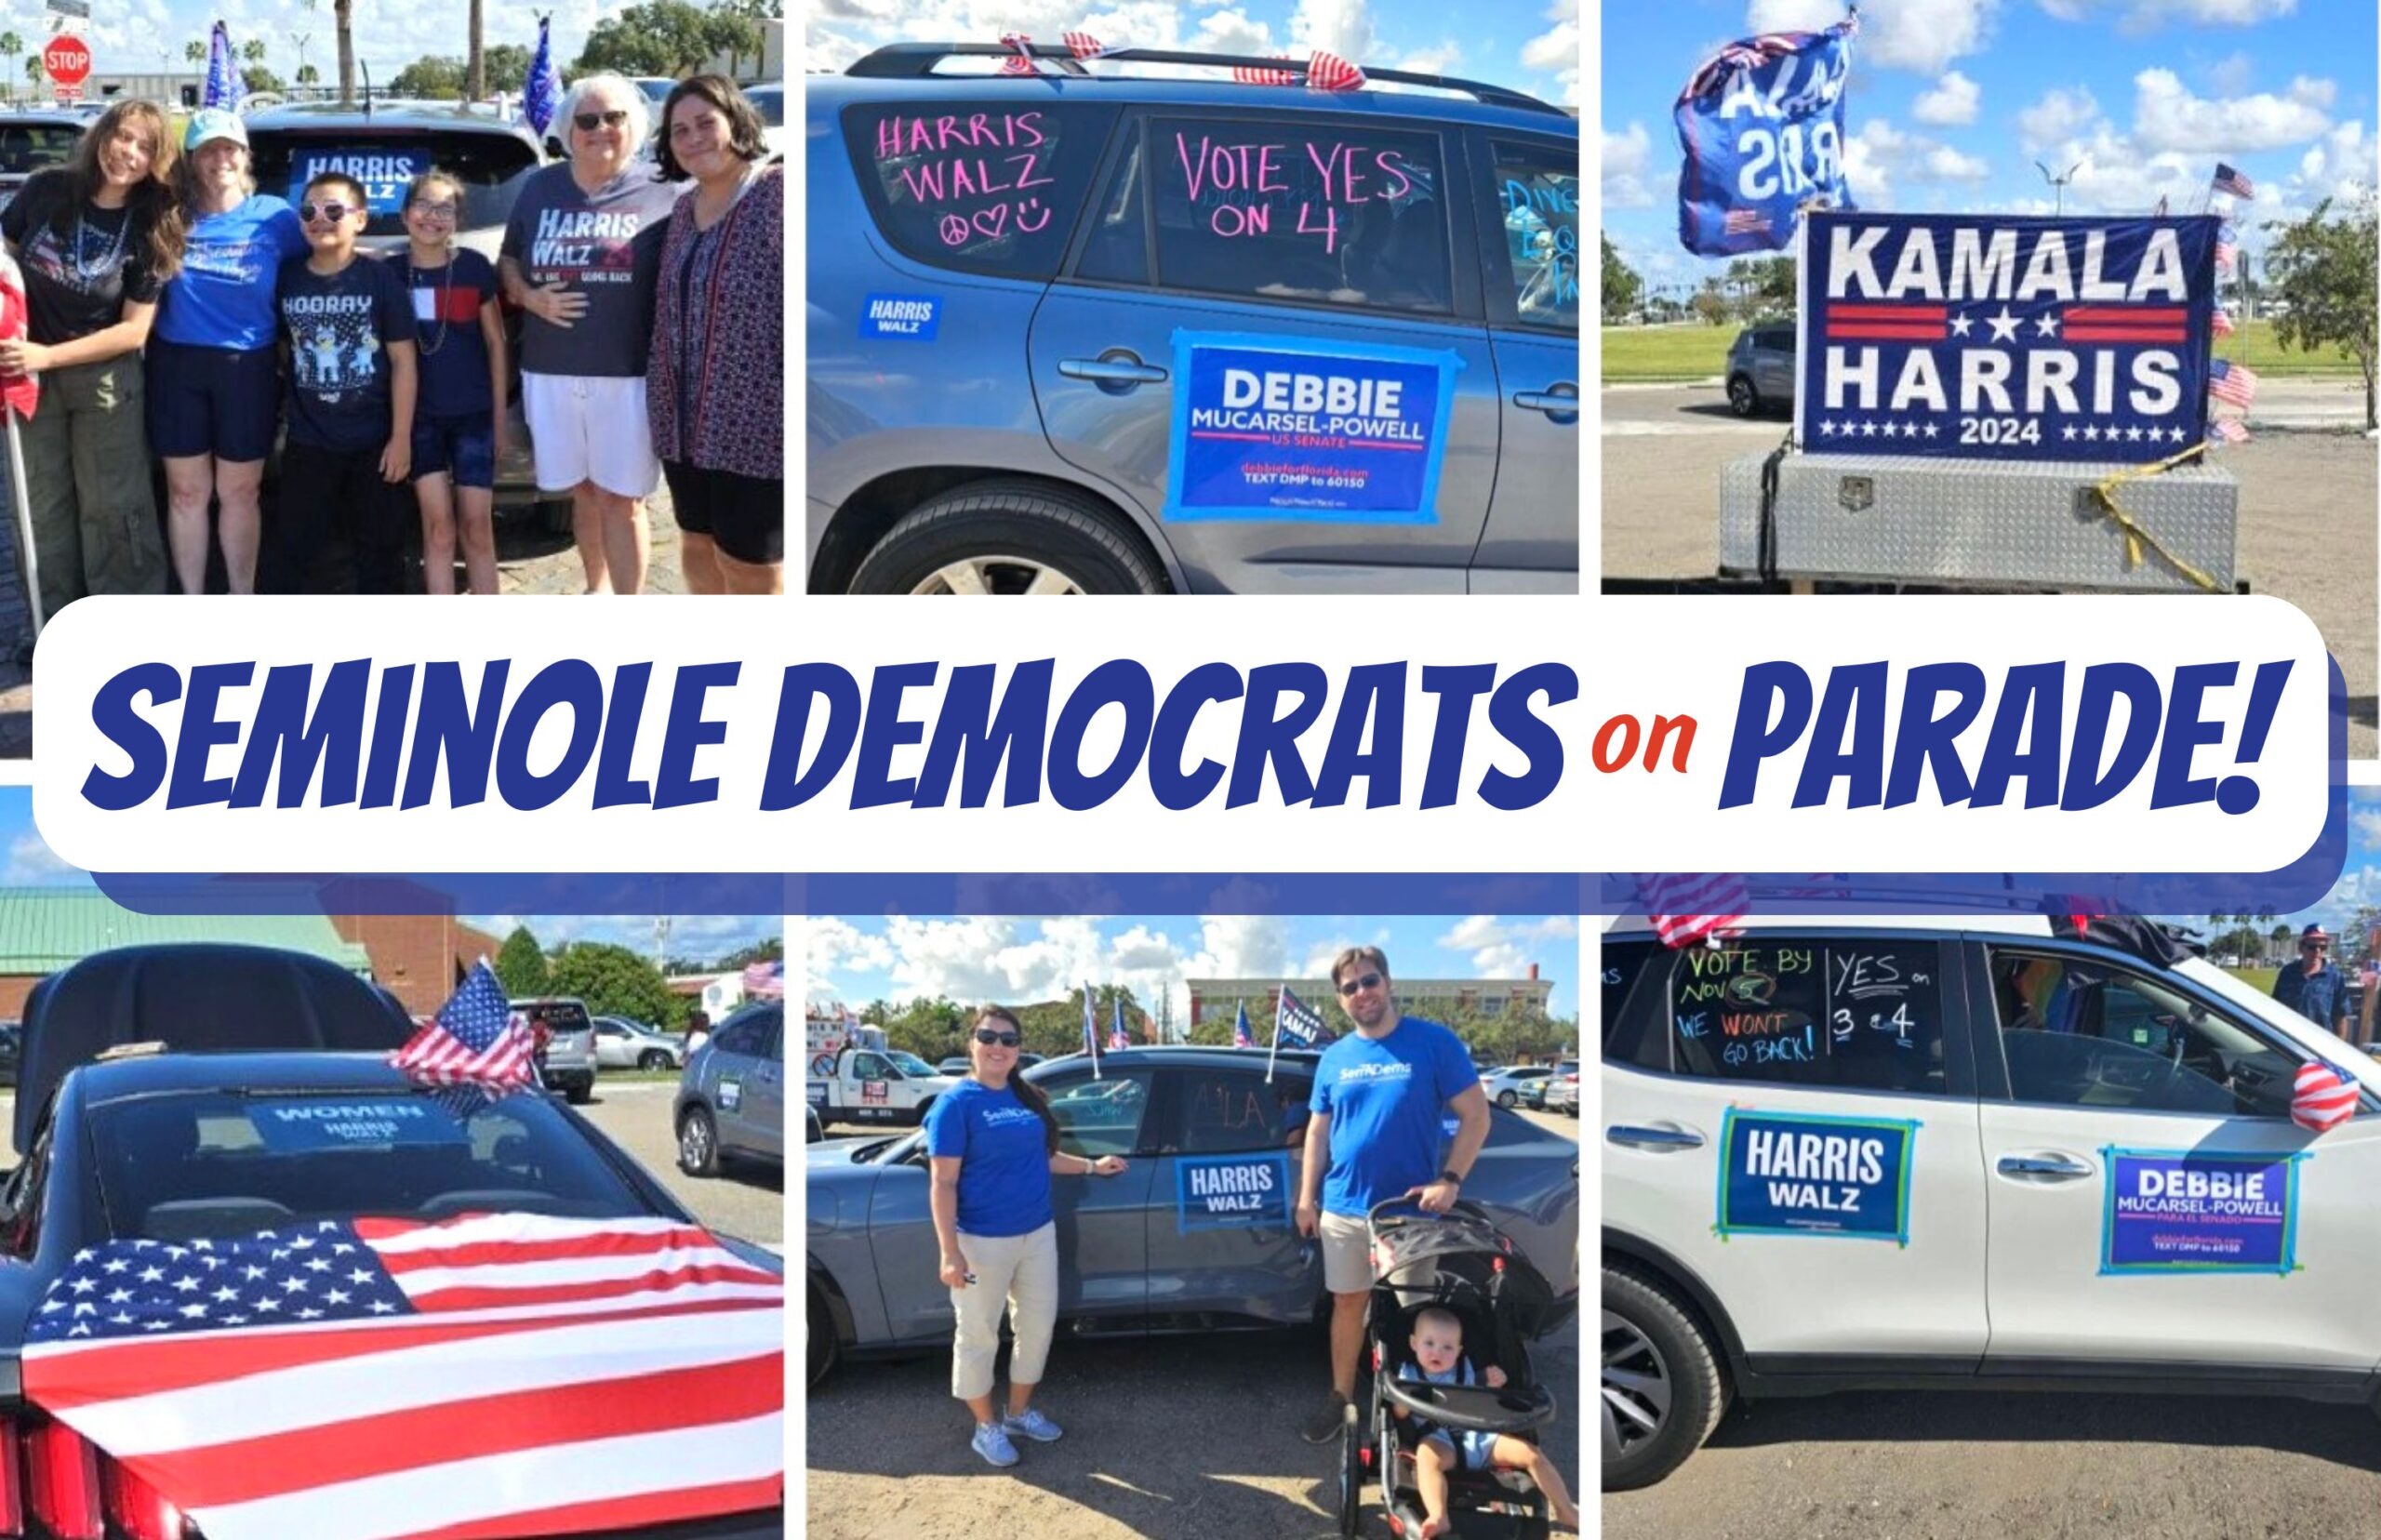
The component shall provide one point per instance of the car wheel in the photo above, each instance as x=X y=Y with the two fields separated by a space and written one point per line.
x=821 y=1346
x=1662 y=1390
x=697 y=1143
x=654 y=1059
x=580 y=1092
x=1506 y=1100
x=554 y=515
x=1007 y=538
x=1743 y=399
x=1351 y=1470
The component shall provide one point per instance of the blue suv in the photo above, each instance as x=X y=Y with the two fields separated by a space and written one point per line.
x=1094 y=331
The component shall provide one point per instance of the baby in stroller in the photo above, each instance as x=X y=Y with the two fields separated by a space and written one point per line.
x=1437 y=1345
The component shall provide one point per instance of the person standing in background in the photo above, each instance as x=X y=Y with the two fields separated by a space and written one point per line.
x=2312 y=986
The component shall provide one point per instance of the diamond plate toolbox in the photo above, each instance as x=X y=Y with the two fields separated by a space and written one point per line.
x=1881 y=518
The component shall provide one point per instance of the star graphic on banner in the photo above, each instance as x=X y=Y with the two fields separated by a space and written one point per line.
x=1961 y=325
x=1891 y=429
x=2133 y=435
x=2091 y=436
x=1828 y=429
x=1868 y=430
x=2068 y=433
x=2048 y=324
x=1930 y=429
x=2178 y=435
x=2004 y=325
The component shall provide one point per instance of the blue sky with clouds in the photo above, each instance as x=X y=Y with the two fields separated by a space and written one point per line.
x=1531 y=45
x=860 y=957
x=1953 y=102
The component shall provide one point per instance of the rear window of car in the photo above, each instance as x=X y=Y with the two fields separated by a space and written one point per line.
x=770 y=101
x=29 y=147
x=1537 y=195
x=989 y=186
x=1821 y=1011
x=557 y=1016
x=490 y=165
x=206 y=1163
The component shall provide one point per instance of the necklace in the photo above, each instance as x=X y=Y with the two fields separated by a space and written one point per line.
x=446 y=293
x=91 y=273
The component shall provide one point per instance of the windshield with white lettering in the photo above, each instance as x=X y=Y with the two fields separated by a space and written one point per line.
x=194 y=1164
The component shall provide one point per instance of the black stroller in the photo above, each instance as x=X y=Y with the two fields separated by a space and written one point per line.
x=1459 y=1262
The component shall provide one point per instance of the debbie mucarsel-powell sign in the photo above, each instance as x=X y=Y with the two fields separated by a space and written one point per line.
x=2002 y=337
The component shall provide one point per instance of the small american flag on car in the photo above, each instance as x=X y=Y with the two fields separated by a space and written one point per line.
x=1082 y=44
x=1745 y=221
x=2322 y=1097
x=765 y=980
x=1021 y=61
x=475 y=1039
x=2236 y=383
x=1689 y=908
x=368 y=1378
x=1328 y=72
x=2227 y=430
x=1256 y=74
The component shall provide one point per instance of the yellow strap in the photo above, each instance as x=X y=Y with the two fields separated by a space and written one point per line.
x=2135 y=537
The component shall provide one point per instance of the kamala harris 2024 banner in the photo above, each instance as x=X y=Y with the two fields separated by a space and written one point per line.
x=1985 y=337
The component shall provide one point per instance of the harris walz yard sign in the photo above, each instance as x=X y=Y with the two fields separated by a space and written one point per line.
x=1985 y=337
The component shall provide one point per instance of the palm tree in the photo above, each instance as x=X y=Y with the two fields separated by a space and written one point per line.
x=343 y=19
x=9 y=44
x=476 y=58
x=33 y=71
x=196 y=50
x=253 y=50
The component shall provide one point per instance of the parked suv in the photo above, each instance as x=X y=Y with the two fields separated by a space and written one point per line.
x=567 y=1035
x=1966 y=1153
x=1761 y=369
x=1101 y=333
x=731 y=1095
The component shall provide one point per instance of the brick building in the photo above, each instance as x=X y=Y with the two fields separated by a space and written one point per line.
x=419 y=958
x=1219 y=999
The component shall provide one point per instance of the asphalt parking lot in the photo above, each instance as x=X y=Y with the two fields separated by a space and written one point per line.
x=2307 y=531
x=1192 y=1436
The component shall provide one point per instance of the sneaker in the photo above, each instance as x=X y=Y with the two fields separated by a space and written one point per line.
x=1032 y=1425
x=992 y=1443
x=1326 y=1423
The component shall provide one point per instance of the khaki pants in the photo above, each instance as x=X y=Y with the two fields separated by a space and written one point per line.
x=1018 y=1272
x=93 y=511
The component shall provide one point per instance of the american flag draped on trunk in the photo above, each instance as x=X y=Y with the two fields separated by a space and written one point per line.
x=494 y=1375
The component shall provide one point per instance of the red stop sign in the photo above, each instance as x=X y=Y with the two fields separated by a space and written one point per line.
x=66 y=61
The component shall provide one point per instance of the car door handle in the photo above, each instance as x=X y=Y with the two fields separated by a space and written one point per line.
x=1126 y=370
x=2060 y=1166
x=1653 y=1138
x=1562 y=400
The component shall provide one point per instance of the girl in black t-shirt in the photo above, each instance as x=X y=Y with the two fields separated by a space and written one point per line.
x=97 y=239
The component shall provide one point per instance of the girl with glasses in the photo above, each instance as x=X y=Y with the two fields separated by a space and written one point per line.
x=994 y=1142
x=459 y=431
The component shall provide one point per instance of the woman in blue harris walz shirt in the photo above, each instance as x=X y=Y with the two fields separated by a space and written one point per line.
x=995 y=1144
x=214 y=375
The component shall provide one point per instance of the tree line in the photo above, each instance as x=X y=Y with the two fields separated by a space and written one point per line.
x=613 y=980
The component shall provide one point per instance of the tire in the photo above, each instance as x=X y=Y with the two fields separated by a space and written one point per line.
x=1657 y=1359
x=924 y=1107
x=554 y=515
x=1743 y=399
x=698 y=1142
x=654 y=1059
x=821 y=1346
x=1010 y=534
x=1352 y=1473
x=579 y=1092
x=1506 y=1100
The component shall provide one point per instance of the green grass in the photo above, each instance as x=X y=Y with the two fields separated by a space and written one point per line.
x=2259 y=979
x=1647 y=355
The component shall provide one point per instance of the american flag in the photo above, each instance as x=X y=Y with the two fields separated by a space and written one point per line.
x=1299 y=1022
x=1241 y=1036
x=1749 y=53
x=1745 y=221
x=490 y=1375
x=2234 y=382
x=2227 y=430
x=1117 y=1036
x=2322 y=1097
x=1256 y=74
x=475 y=1039
x=1687 y=908
x=22 y=392
x=2227 y=246
x=765 y=980
x=1082 y=44
x=1021 y=61
x=1328 y=72
x=2223 y=322
x=2229 y=181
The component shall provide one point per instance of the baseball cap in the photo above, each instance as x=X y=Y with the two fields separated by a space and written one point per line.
x=214 y=122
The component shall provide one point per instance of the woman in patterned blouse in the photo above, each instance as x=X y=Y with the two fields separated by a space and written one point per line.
x=716 y=395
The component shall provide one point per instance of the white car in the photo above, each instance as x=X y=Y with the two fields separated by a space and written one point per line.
x=1563 y=1092
x=624 y=1044
x=1846 y=1154
x=1504 y=1087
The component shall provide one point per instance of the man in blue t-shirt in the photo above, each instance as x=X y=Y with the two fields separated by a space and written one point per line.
x=1379 y=1097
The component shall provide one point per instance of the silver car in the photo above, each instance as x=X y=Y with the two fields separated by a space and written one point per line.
x=566 y=1044
x=731 y=1096
x=1761 y=369
x=1504 y=1087
x=624 y=1044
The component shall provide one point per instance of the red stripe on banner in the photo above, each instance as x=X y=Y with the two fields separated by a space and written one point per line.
x=653 y=1507
x=2125 y=334
x=1908 y=330
x=2128 y=313
x=361 y=1448
x=110 y=1371
x=571 y=1293
x=483 y=1253
x=1887 y=313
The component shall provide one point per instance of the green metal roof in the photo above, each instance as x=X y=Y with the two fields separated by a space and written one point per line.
x=44 y=929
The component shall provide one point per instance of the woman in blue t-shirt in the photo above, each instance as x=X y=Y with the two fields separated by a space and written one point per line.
x=994 y=1145
x=214 y=377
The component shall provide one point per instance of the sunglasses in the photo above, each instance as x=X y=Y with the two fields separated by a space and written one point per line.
x=589 y=122
x=986 y=1036
x=2314 y=946
x=331 y=211
x=1370 y=981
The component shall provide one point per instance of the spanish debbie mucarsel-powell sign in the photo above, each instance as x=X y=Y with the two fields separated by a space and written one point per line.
x=2000 y=338
x=2173 y=1211
x=1810 y=1174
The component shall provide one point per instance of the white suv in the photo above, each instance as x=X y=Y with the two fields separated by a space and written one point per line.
x=1997 y=1152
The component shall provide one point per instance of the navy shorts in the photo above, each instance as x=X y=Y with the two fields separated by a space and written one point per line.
x=463 y=448
x=744 y=516
x=212 y=400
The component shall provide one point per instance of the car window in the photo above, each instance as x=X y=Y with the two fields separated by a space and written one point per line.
x=1100 y=1116
x=490 y=165
x=611 y=1030
x=1622 y=963
x=1537 y=195
x=869 y=1067
x=770 y=101
x=1226 y=1110
x=1284 y=209
x=990 y=186
x=179 y=1166
x=557 y=1016
x=29 y=147
x=2078 y=1032
x=1117 y=249
x=911 y=1065
x=1817 y=1011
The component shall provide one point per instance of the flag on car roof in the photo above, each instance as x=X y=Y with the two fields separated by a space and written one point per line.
x=2322 y=1097
x=542 y=94
x=1258 y=74
x=489 y=1374
x=475 y=1039
x=1688 y=907
x=1241 y=1036
x=1082 y=44
x=766 y=980
x=1021 y=61
x=224 y=87
x=2229 y=181
x=1328 y=72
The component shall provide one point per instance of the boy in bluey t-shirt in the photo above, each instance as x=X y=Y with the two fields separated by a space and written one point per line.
x=1437 y=1343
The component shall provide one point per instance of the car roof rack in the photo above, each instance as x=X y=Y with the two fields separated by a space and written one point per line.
x=917 y=62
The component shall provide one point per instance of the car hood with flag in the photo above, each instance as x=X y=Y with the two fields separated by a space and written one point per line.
x=491 y=1375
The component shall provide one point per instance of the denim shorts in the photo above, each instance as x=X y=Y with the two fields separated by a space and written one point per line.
x=463 y=447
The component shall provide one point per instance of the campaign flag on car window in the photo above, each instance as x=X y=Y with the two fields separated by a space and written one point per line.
x=1241 y=1036
x=475 y=1039
x=1300 y=1023
x=1762 y=127
x=503 y=1373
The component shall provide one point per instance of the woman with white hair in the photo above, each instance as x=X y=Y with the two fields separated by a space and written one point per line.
x=580 y=255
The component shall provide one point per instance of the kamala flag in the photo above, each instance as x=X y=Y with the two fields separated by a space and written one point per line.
x=1241 y=1036
x=1762 y=127
x=1298 y=1022
x=542 y=94
x=224 y=87
x=491 y=1375
x=1998 y=337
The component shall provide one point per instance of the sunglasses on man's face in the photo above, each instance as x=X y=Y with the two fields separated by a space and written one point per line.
x=334 y=212
x=1370 y=981
x=2314 y=946
x=986 y=1036
x=589 y=122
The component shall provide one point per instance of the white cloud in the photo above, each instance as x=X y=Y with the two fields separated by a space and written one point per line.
x=1923 y=35
x=1442 y=59
x=836 y=946
x=2366 y=822
x=33 y=864
x=1344 y=27
x=1944 y=164
x=1953 y=102
x=1625 y=158
x=1503 y=949
x=2146 y=13
x=2166 y=116
x=1868 y=156
x=2058 y=116
x=1556 y=50
x=1231 y=30
x=2231 y=74
x=2337 y=165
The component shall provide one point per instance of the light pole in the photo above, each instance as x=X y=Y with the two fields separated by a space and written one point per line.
x=2058 y=185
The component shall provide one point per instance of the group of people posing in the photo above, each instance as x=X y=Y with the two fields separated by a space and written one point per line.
x=176 y=311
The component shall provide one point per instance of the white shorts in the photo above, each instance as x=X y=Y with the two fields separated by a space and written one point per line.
x=1346 y=1253
x=591 y=428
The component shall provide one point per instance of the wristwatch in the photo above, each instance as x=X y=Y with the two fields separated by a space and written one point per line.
x=1448 y=1174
